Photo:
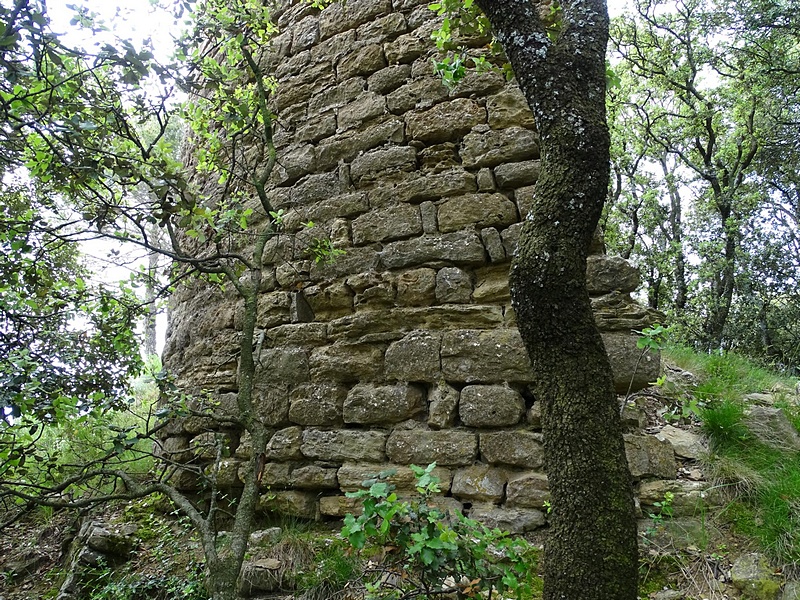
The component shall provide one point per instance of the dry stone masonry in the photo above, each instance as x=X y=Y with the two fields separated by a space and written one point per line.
x=404 y=350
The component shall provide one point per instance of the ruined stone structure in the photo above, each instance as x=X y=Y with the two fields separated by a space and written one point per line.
x=404 y=350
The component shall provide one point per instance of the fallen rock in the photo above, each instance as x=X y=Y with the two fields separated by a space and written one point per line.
x=685 y=443
x=752 y=575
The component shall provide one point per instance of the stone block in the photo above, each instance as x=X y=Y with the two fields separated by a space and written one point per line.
x=690 y=498
x=617 y=311
x=423 y=92
x=311 y=334
x=439 y=157
x=421 y=447
x=364 y=108
x=377 y=163
x=755 y=578
x=278 y=365
x=633 y=369
x=518 y=174
x=329 y=301
x=383 y=29
x=453 y=285
x=685 y=443
x=343 y=205
x=428 y=214
x=291 y=503
x=362 y=61
x=271 y=403
x=490 y=406
x=416 y=287
x=772 y=427
x=495 y=147
x=481 y=483
x=518 y=448
x=339 y=17
x=285 y=444
x=527 y=490
x=445 y=122
x=405 y=49
x=649 y=457
x=414 y=358
x=610 y=273
x=386 y=224
x=515 y=520
x=305 y=34
x=313 y=477
x=479 y=85
x=371 y=404
x=336 y=96
x=442 y=406
x=461 y=247
x=344 y=445
x=509 y=108
x=273 y=475
x=354 y=260
x=340 y=506
x=388 y=79
x=416 y=187
x=491 y=285
x=495 y=356
x=317 y=404
x=482 y=210
x=352 y=476
x=347 y=362
x=494 y=244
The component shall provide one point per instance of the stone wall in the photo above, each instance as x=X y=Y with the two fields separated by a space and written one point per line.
x=404 y=350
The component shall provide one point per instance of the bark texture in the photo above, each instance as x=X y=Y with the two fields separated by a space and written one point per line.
x=591 y=553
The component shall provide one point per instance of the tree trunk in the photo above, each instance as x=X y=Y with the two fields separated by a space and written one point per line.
x=591 y=552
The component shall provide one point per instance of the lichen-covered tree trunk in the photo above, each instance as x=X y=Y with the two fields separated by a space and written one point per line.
x=559 y=60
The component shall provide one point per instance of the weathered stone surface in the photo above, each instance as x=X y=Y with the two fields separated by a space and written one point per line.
x=110 y=540
x=490 y=406
x=292 y=503
x=772 y=427
x=317 y=404
x=362 y=61
x=313 y=477
x=494 y=147
x=517 y=448
x=453 y=285
x=755 y=578
x=491 y=285
x=349 y=145
x=371 y=404
x=606 y=274
x=690 y=498
x=285 y=444
x=685 y=443
x=344 y=445
x=617 y=311
x=649 y=457
x=461 y=247
x=487 y=356
x=416 y=287
x=419 y=188
x=367 y=106
x=482 y=210
x=340 y=506
x=271 y=403
x=329 y=301
x=422 y=93
x=494 y=244
x=515 y=520
x=482 y=483
x=345 y=362
x=527 y=490
x=341 y=17
x=283 y=364
x=633 y=368
x=422 y=447
x=442 y=406
x=514 y=175
x=386 y=224
x=509 y=108
x=375 y=164
x=414 y=358
x=445 y=121
x=352 y=476
x=405 y=49
x=388 y=79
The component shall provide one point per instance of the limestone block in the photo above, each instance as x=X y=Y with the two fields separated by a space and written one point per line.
x=442 y=406
x=362 y=61
x=510 y=236
x=371 y=404
x=453 y=285
x=349 y=145
x=481 y=483
x=343 y=205
x=367 y=106
x=428 y=213
x=495 y=147
x=273 y=475
x=329 y=301
x=305 y=34
x=346 y=362
x=273 y=309
x=291 y=95
x=509 y=108
x=518 y=174
x=261 y=575
x=383 y=29
x=352 y=476
x=518 y=448
x=340 y=506
x=446 y=121
x=685 y=443
x=285 y=444
x=460 y=247
x=174 y=448
x=207 y=445
x=388 y=79
x=649 y=457
x=483 y=210
x=423 y=92
x=344 y=445
x=317 y=404
x=377 y=163
x=416 y=187
x=755 y=578
x=282 y=365
x=332 y=49
x=690 y=498
x=515 y=520
x=493 y=244
x=354 y=260
x=416 y=287
x=617 y=311
x=378 y=296
x=490 y=406
x=315 y=187
x=336 y=96
x=491 y=285
x=271 y=403
x=317 y=128
x=534 y=415
x=313 y=477
x=439 y=157
x=385 y=224
x=480 y=85
x=415 y=357
x=307 y=334
x=527 y=490
x=421 y=447
x=498 y=355
x=292 y=503
x=337 y=17
x=609 y=273
x=405 y=49
x=772 y=427
x=633 y=369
